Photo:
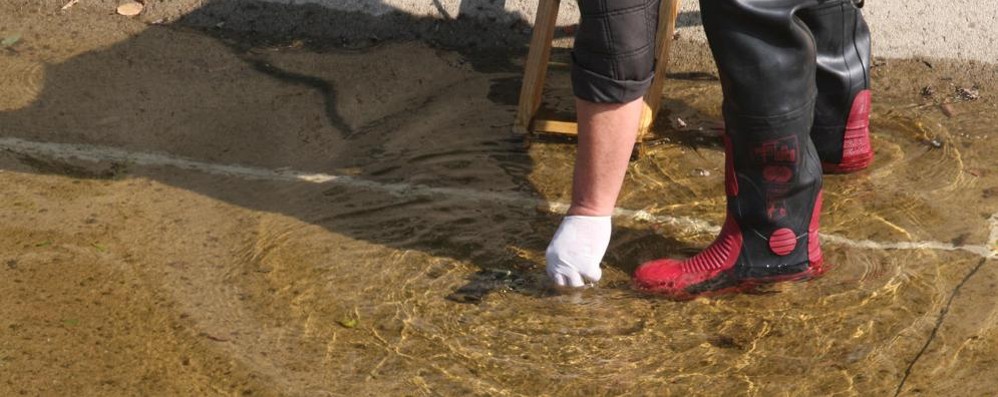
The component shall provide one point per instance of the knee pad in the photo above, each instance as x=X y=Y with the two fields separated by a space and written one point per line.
x=614 y=56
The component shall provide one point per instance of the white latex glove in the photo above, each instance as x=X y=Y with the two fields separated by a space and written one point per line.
x=576 y=250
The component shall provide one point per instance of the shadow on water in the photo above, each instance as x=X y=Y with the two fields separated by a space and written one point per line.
x=212 y=106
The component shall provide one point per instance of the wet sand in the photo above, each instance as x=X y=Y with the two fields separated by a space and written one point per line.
x=191 y=212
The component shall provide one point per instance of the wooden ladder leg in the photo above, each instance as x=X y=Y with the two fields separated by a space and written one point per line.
x=536 y=68
x=668 y=12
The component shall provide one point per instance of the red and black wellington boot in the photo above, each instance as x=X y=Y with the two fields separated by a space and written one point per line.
x=841 y=131
x=773 y=185
x=855 y=148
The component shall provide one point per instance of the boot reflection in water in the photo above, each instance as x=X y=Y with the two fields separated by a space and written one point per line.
x=795 y=77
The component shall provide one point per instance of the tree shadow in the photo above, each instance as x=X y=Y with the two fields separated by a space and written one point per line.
x=292 y=86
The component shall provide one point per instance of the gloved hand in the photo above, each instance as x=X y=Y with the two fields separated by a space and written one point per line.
x=576 y=250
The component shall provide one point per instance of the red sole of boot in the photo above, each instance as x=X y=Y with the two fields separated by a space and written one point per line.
x=856 y=165
x=746 y=286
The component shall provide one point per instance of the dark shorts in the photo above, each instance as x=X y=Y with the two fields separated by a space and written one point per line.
x=614 y=56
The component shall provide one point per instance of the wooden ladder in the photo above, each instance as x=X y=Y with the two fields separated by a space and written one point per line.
x=535 y=71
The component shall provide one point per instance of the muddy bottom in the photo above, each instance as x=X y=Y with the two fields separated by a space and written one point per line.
x=197 y=213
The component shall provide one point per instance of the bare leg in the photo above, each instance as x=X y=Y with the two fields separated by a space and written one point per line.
x=607 y=132
x=606 y=137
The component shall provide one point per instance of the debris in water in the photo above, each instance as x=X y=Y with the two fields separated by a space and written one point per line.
x=500 y=274
x=928 y=91
x=680 y=124
x=264 y=269
x=10 y=40
x=960 y=240
x=936 y=143
x=70 y=4
x=468 y=295
x=130 y=9
x=701 y=172
x=657 y=142
x=213 y=337
x=348 y=322
x=485 y=282
x=99 y=248
x=968 y=93
x=725 y=342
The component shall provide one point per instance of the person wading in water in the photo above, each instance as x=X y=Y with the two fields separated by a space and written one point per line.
x=795 y=77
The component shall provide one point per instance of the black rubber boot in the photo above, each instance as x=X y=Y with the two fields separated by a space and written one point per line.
x=773 y=183
x=766 y=58
x=841 y=130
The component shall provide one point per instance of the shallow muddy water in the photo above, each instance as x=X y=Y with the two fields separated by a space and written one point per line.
x=289 y=219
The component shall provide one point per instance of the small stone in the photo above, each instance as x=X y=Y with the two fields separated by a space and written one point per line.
x=130 y=9
x=948 y=110
x=680 y=123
